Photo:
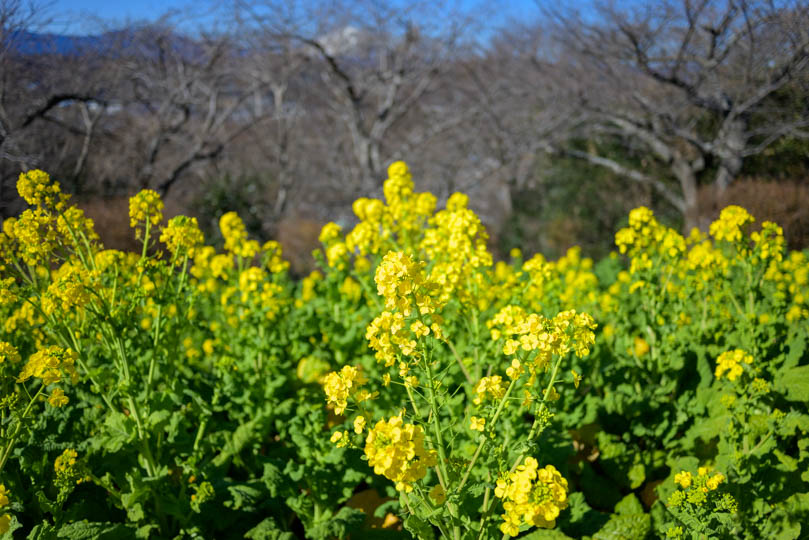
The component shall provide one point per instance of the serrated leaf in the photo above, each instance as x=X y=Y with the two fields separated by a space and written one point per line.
x=268 y=530
x=629 y=505
x=419 y=528
x=102 y=531
x=793 y=383
x=625 y=527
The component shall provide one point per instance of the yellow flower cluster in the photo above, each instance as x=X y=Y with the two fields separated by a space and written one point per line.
x=407 y=291
x=769 y=242
x=65 y=462
x=695 y=489
x=182 y=235
x=308 y=287
x=531 y=496
x=51 y=364
x=400 y=280
x=69 y=289
x=68 y=471
x=456 y=239
x=256 y=288
x=58 y=398
x=36 y=188
x=209 y=267
x=387 y=335
x=731 y=362
x=340 y=385
x=272 y=256
x=8 y=352
x=235 y=235
x=145 y=206
x=397 y=225
x=396 y=451
x=567 y=331
x=646 y=237
x=493 y=388
x=5 y=519
x=731 y=223
x=31 y=237
x=329 y=233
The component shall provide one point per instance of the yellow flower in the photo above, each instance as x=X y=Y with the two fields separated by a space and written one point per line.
x=65 y=462
x=396 y=450
x=50 y=364
x=8 y=352
x=531 y=496
x=641 y=346
x=730 y=224
x=730 y=362
x=5 y=523
x=339 y=386
x=235 y=234
x=58 y=398
x=340 y=438
x=489 y=388
x=36 y=188
x=576 y=378
x=182 y=235
x=359 y=424
x=329 y=233
x=4 y=493
x=515 y=370
x=683 y=478
x=478 y=424
x=146 y=205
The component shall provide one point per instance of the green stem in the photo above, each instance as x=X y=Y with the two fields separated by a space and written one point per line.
x=453 y=511
x=542 y=406
x=483 y=439
x=13 y=440
x=460 y=363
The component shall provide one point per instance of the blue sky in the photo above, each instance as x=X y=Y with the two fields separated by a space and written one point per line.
x=83 y=16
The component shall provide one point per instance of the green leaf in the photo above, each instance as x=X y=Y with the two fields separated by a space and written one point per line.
x=625 y=527
x=636 y=475
x=794 y=383
x=102 y=531
x=268 y=530
x=629 y=505
x=119 y=430
x=157 y=419
x=419 y=528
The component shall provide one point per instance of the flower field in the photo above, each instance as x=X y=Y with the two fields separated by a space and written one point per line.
x=410 y=387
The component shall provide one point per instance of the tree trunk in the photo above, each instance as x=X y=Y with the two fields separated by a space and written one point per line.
x=687 y=177
x=730 y=155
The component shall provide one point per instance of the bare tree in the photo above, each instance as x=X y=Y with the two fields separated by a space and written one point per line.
x=182 y=101
x=695 y=84
x=376 y=62
x=50 y=100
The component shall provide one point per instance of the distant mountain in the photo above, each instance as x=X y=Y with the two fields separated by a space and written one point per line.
x=25 y=42
x=139 y=40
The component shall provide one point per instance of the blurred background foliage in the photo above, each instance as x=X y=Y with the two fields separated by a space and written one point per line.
x=556 y=123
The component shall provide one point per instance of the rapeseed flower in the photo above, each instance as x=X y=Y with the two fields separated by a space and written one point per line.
x=531 y=496
x=145 y=206
x=396 y=451
x=731 y=362
x=51 y=364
